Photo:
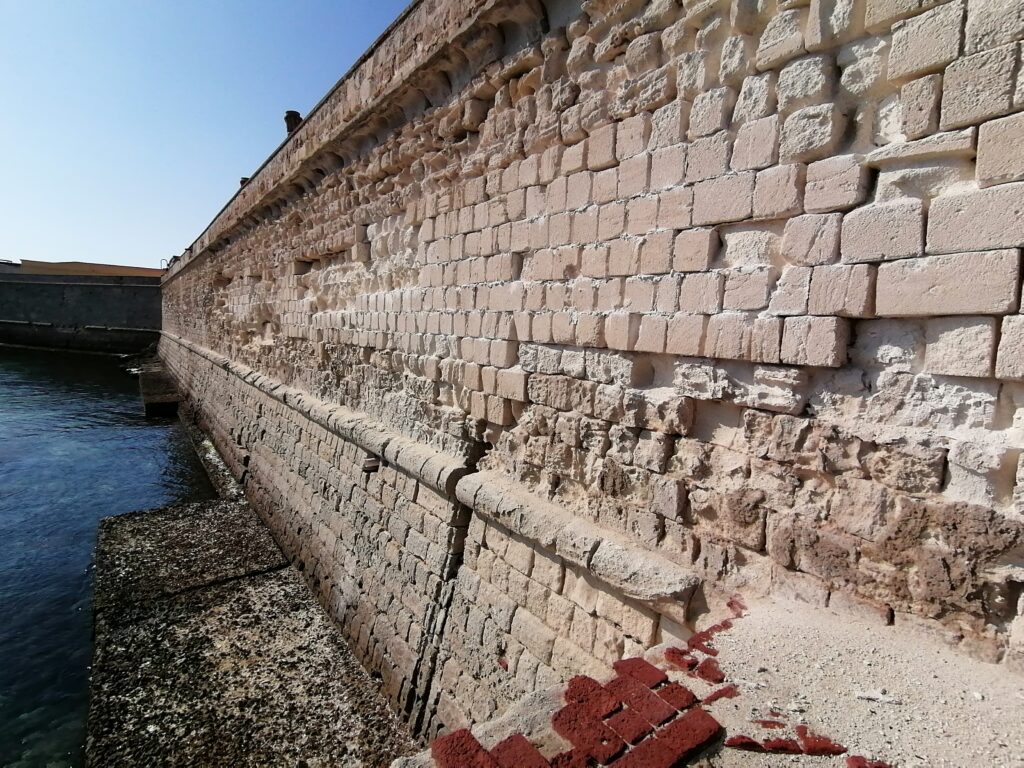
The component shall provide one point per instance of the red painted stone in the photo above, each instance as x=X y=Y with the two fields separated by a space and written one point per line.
x=769 y=724
x=709 y=671
x=737 y=606
x=589 y=693
x=641 y=670
x=690 y=732
x=641 y=699
x=679 y=658
x=649 y=754
x=729 y=691
x=629 y=725
x=587 y=733
x=460 y=749
x=857 y=761
x=813 y=744
x=783 y=746
x=744 y=742
x=679 y=696
x=503 y=663
x=517 y=752
x=574 y=758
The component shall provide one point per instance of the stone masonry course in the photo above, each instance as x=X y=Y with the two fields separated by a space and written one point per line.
x=556 y=322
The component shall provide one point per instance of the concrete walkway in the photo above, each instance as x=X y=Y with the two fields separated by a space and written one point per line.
x=210 y=650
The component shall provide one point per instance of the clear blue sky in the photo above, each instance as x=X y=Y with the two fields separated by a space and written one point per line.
x=126 y=125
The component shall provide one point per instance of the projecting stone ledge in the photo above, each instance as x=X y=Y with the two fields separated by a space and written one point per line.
x=211 y=650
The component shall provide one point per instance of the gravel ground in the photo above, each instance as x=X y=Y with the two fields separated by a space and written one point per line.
x=880 y=692
x=211 y=651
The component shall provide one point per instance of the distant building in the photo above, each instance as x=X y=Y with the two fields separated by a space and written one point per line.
x=6 y=267
x=29 y=267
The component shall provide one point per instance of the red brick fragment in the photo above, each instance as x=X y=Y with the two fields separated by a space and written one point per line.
x=517 y=752
x=587 y=733
x=737 y=606
x=858 y=761
x=643 y=700
x=744 y=742
x=649 y=754
x=641 y=670
x=629 y=725
x=460 y=749
x=782 y=746
x=574 y=758
x=679 y=696
x=769 y=724
x=700 y=641
x=709 y=671
x=677 y=657
x=589 y=693
x=813 y=744
x=503 y=663
x=690 y=732
x=729 y=691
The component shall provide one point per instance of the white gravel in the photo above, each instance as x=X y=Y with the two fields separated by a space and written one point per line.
x=880 y=692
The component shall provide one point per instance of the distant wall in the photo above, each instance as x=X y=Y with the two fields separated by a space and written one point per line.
x=101 y=314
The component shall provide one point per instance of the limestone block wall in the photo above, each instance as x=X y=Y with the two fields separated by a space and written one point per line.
x=648 y=301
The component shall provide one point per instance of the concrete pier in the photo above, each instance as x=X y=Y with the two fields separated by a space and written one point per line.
x=210 y=650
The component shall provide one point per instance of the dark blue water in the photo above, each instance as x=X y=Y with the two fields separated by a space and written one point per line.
x=74 y=447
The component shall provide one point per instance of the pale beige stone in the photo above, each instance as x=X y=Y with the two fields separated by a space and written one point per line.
x=711 y=112
x=756 y=100
x=708 y=157
x=632 y=135
x=791 y=292
x=978 y=87
x=621 y=330
x=748 y=288
x=879 y=14
x=951 y=145
x=782 y=39
x=669 y=124
x=830 y=22
x=987 y=218
x=634 y=175
x=1010 y=360
x=779 y=191
x=601 y=148
x=1001 y=151
x=668 y=167
x=807 y=81
x=737 y=59
x=817 y=341
x=811 y=133
x=991 y=23
x=727 y=198
x=957 y=284
x=675 y=208
x=756 y=145
x=701 y=293
x=694 y=250
x=685 y=334
x=845 y=291
x=812 y=239
x=960 y=346
x=883 y=231
x=926 y=43
x=651 y=336
x=919 y=102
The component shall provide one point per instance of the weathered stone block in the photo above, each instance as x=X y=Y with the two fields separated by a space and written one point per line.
x=978 y=87
x=727 y=198
x=961 y=284
x=1001 y=151
x=926 y=43
x=988 y=218
x=883 y=231
x=1010 y=359
x=812 y=239
x=846 y=291
x=835 y=184
x=960 y=346
x=819 y=341
x=811 y=133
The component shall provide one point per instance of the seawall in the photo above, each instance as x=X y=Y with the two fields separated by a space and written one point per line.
x=556 y=322
x=97 y=314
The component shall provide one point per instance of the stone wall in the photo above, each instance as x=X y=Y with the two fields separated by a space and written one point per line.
x=554 y=321
x=100 y=314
